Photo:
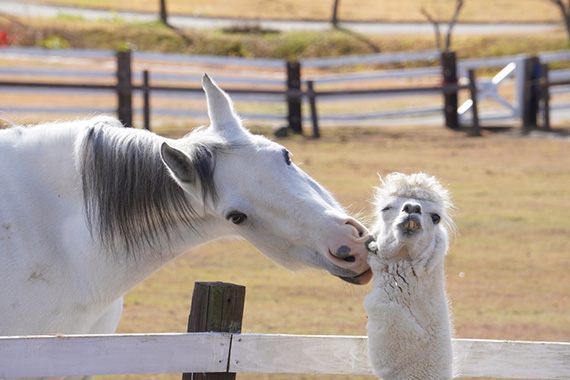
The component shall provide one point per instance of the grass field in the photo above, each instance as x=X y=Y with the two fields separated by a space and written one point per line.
x=507 y=269
x=359 y=10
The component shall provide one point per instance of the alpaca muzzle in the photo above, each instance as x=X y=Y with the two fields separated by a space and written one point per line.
x=411 y=225
x=371 y=245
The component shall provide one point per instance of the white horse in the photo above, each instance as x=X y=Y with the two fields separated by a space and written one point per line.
x=89 y=209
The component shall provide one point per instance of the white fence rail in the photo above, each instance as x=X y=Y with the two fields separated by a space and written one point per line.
x=257 y=353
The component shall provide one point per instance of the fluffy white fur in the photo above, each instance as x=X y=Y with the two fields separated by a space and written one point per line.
x=409 y=333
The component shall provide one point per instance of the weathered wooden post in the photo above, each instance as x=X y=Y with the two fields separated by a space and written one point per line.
x=124 y=88
x=530 y=93
x=545 y=96
x=475 y=130
x=294 y=116
x=146 y=100
x=450 y=101
x=313 y=104
x=216 y=306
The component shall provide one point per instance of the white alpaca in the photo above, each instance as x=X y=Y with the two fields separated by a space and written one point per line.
x=409 y=333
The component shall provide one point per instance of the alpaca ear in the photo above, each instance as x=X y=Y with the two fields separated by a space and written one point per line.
x=178 y=163
x=223 y=118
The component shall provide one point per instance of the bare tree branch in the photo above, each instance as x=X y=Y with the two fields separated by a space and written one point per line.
x=565 y=10
x=452 y=23
x=435 y=24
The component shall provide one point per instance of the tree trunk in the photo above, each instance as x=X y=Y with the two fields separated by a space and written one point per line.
x=163 y=13
x=334 y=19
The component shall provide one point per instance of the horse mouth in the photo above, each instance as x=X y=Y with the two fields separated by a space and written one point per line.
x=361 y=279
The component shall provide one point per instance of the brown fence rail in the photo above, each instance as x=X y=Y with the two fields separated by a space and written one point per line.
x=294 y=93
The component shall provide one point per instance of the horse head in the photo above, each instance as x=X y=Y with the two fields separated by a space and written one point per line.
x=255 y=191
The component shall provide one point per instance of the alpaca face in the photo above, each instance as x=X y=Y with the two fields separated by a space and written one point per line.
x=411 y=216
x=410 y=219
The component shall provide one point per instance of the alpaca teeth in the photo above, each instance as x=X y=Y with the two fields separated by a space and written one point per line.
x=411 y=225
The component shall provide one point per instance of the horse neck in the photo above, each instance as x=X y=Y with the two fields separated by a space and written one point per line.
x=139 y=216
x=126 y=269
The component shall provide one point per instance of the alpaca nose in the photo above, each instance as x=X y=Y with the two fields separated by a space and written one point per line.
x=412 y=208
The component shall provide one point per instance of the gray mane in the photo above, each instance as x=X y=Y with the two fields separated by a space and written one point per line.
x=130 y=198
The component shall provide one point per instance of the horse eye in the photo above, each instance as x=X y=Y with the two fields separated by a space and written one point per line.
x=435 y=218
x=237 y=217
x=287 y=156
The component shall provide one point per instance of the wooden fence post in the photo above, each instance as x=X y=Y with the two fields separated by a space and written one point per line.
x=216 y=306
x=530 y=93
x=476 y=130
x=545 y=96
x=146 y=100
x=294 y=115
x=450 y=100
x=313 y=104
x=124 y=88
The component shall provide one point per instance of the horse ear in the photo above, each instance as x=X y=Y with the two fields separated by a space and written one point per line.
x=178 y=163
x=221 y=112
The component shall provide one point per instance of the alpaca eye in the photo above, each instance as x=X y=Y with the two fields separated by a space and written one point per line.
x=287 y=157
x=386 y=208
x=237 y=217
x=435 y=218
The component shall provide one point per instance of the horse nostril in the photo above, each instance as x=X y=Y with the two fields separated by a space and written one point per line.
x=350 y=259
x=358 y=228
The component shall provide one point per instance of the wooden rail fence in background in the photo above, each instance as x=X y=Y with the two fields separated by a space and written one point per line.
x=533 y=86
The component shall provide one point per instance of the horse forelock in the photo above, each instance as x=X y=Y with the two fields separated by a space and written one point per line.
x=130 y=199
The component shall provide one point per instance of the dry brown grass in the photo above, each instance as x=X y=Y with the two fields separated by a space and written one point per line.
x=507 y=270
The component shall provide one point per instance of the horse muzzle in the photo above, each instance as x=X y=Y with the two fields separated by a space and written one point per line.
x=361 y=279
x=347 y=250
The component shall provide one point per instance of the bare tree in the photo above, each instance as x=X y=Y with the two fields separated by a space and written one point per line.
x=452 y=22
x=565 y=10
x=163 y=13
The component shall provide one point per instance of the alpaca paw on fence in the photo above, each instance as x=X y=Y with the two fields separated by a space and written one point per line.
x=409 y=333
